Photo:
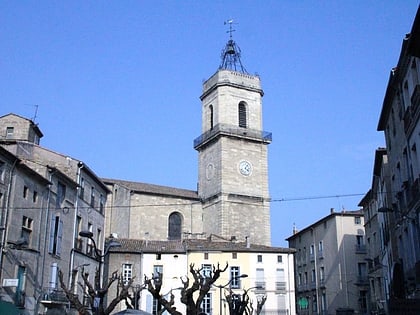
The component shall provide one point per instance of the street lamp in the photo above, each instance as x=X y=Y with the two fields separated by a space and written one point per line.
x=100 y=256
x=224 y=286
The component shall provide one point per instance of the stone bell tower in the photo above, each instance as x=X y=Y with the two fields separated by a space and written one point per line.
x=232 y=150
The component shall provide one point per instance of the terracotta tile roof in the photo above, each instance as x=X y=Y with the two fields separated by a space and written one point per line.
x=154 y=189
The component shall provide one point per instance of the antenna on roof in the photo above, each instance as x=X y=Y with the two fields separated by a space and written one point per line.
x=36 y=111
x=231 y=54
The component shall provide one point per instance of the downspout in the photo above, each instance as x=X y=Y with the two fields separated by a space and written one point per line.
x=288 y=283
x=80 y=165
x=6 y=217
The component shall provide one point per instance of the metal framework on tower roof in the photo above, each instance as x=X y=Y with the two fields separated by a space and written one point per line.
x=231 y=54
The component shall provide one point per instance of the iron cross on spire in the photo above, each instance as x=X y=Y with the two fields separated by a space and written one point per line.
x=231 y=30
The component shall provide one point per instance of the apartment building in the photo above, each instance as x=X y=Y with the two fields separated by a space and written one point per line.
x=330 y=266
x=262 y=270
x=392 y=206
x=47 y=199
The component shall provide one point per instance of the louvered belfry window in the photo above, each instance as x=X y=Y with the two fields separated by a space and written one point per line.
x=242 y=114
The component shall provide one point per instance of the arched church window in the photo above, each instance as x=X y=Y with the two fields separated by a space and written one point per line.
x=242 y=114
x=174 y=226
x=211 y=117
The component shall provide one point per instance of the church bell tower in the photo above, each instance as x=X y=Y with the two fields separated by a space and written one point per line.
x=232 y=150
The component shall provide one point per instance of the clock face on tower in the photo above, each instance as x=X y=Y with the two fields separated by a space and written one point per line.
x=245 y=168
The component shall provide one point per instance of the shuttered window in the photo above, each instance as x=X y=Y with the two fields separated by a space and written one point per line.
x=242 y=115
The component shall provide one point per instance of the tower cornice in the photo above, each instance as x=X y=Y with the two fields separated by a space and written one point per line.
x=233 y=79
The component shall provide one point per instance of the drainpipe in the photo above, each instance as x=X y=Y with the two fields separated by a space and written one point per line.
x=6 y=217
x=80 y=165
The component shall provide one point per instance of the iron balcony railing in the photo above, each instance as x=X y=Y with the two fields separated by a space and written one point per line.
x=53 y=296
x=229 y=130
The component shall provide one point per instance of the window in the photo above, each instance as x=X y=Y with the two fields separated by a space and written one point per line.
x=280 y=281
x=25 y=191
x=9 y=132
x=320 y=246
x=314 y=304
x=56 y=235
x=92 y=197
x=362 y=271
x=2 y=170
x=260 y=280
x=323 y=302
x=157 y=269
x=206 y=256
x=61 y=194
x=279 y=258
x=26 y=229
x=101 y=204
x=156 y=307
x=235 y=281
x=321 y=274
x=158 y=256
x=206 y=304
x=89 y=246
x=234 y=255
x=174 y=226
x=77 y=240
x=206 y=270
x=211 y=117
x=127 y=273
x=313 y=276
x=242 y=114
x=357 y=220
x=82 y=189
x=20 y=289
x=259 y=258
x=35 y=196
x=99 y=238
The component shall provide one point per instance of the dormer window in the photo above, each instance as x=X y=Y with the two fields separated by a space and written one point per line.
x=242 y=114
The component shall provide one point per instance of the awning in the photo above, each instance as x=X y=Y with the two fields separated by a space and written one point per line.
x=10 y=309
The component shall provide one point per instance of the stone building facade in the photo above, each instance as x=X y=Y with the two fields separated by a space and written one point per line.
x=47 y=198
x=394 y=198
x=330 y=268
x=265 y=270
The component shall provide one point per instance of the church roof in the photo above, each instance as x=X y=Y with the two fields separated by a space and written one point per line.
x=154 y=189
x=193 y=245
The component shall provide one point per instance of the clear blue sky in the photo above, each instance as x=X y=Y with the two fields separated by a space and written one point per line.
x=117 y=84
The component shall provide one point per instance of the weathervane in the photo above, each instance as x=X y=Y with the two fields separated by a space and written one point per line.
x=231 y=54
x=231 y=30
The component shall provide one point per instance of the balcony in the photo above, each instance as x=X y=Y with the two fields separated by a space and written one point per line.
x=260 y=285
x=281 y=287
x=52 y=296
x=360 y=249
x=232 y=131
x=362 y=280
